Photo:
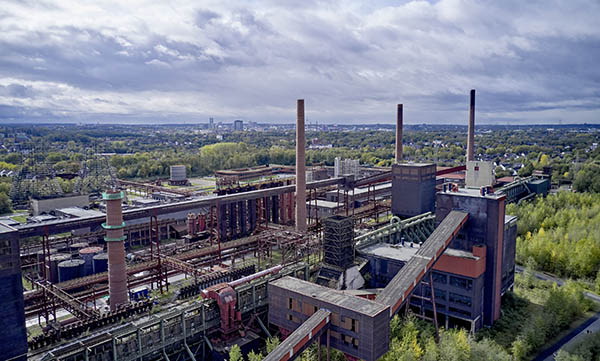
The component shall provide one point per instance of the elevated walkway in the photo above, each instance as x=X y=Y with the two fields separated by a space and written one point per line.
x=301 y=338
x=401 y=286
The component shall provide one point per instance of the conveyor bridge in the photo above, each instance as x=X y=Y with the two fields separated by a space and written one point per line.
x=301 y=338
x=400 y=287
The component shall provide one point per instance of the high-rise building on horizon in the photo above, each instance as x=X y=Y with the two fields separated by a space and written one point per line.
x=238 y=125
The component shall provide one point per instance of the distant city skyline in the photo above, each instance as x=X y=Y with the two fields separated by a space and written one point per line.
x=187 y=61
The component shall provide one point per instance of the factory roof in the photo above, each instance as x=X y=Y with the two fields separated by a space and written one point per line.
x=474 y=192
x=9 y=221
x=396 y=252
x=5 y=228
x=360 y=191
x=460 y=253
x=324 y=204
x=145 y=201
x=328 y=295
x=42 y=218
x=415 y=164
x=79 y=212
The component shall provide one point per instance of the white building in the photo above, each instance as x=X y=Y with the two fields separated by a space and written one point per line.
x=346 y=166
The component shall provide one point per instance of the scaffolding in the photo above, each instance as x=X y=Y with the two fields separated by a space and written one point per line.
x=338 y=237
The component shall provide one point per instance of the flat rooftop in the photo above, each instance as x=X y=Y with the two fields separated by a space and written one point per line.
x=328 y=295
x=324 y=204
x=360 y=191
x=460 y=253
x=409 y=164
x=395 y=252
x=80 y=212
x=4 y=228
x=474 y=192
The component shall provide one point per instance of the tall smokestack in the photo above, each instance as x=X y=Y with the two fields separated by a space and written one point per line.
x=117 y=270
x=471 y=136
x=300 y=169
x=399 y=134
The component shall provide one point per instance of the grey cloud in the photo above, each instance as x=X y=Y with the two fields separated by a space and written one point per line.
x=254 y=61
x=203 y=17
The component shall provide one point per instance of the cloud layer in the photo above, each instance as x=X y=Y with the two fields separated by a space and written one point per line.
x=177 y=61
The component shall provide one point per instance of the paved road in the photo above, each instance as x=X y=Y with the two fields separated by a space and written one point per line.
x=591 y=325
x=558 y=281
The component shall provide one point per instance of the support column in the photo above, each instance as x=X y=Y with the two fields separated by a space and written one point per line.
x=242 y=216
x=275 y=209
x=252 y=217
x=221 y=225
x=233 y=220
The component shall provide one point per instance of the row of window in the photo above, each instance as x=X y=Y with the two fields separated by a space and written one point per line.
x=459 y=299
x=308 y=309
x=458 y=282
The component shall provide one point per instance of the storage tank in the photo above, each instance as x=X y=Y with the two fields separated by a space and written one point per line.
x=100 y=263
x=76 y=247
x=40 y=259
x=87 y=254
x=55 y=259
x=71 y=269
x=178 y=173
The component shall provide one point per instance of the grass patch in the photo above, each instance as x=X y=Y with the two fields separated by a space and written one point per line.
x=20 y=218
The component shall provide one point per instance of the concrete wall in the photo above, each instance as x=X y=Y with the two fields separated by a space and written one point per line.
x=40 y=206
x=372 y=333
x=479 y=174
x=484 y=226
x=508 y=253
x=413 y=189
x=13 y=337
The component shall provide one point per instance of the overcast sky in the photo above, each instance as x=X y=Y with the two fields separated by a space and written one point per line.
x=177 y=61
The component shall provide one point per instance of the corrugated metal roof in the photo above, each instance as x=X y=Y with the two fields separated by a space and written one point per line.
x=328 y=295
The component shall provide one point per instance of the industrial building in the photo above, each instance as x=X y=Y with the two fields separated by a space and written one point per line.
x=242 y=265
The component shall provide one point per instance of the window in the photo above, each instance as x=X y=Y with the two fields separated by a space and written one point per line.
x=5 y=247
x=463 y=283
x=459 y=311
x=335 y=319
x=439 y=278
x=460 y=299
x=354 y=326
x=439 y=294
x=290 y=303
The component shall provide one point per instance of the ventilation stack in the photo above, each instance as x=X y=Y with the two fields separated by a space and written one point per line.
x=399 y=134
x=117 y=269
x=471 y=136
x=300 y=169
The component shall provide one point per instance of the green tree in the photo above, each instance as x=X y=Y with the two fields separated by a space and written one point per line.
x=5 y=204
x=272 y=343
x=252 y=356
x=235 y=353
